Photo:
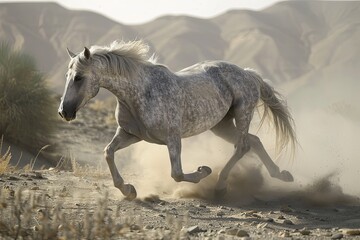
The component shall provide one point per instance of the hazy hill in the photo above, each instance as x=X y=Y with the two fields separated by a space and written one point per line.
x=295 y=42
x=182 y=41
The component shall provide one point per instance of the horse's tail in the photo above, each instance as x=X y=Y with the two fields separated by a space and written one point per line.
x=283 y=121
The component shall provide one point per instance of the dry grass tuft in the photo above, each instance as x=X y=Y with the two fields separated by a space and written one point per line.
x=5 y=159
x=87 y=170
x=30 y=215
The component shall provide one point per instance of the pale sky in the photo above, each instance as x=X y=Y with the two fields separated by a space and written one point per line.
x=140 y=11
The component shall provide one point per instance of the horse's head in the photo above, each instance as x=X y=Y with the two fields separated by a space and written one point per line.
x=81 y=84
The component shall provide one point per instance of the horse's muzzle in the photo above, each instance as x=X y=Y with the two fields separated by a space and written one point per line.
x=67 y=116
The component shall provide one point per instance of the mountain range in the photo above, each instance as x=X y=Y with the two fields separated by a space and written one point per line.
x=301 y=46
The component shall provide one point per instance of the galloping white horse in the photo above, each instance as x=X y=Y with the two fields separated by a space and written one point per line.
x=159 y=106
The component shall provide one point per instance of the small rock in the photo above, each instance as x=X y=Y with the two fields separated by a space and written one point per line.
x=337 y=236
x=281 y=217
x=288 y=222
x=284 y=234
x=251 y=212
x=232 y=231
x=221 y=231
x=135 y=227
x=237 y=232
x=35 y=188
x=201 y=206
x=242 y=233
x=268 y=219
x=12 y=178
x=261 y=225
x=38 y=176
x=305 y=232
x=220 y=214
x=148 y=227
x=286 y=209
x=193 y=229
x=351 y=232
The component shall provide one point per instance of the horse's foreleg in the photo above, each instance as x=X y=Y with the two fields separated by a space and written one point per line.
x=174 y=147
x=120 y=140
x=272 y=168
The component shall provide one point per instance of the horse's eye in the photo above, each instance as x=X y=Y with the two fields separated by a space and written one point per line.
x=77 y=78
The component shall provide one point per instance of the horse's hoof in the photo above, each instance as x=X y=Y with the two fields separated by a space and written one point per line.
x=129 y=192
x=204 y=169
x=286 y=176
x=220 y=193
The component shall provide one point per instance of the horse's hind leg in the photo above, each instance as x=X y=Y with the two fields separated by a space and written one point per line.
x=272 y=168
x=121 y=140
x=237 y=135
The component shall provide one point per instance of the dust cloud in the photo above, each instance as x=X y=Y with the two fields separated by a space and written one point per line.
x=326 y=166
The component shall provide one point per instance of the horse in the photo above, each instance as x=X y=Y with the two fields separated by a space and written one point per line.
x=159 y=106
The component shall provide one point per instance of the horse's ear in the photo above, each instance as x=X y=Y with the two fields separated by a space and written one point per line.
x=71 y=54
x=86 y=53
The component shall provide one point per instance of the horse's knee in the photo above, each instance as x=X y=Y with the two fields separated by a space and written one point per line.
x=254 y=140
x=243 y=147
x=108 y=152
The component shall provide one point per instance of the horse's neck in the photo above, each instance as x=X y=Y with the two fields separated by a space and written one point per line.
x=121 y=87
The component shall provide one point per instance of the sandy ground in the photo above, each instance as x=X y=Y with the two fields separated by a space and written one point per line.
x=168 y=217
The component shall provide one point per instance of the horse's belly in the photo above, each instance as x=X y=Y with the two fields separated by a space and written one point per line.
x=202 y=116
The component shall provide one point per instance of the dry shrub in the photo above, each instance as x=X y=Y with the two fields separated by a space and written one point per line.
x=26 y=104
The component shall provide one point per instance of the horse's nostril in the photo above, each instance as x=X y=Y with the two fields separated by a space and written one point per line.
x=62 y=114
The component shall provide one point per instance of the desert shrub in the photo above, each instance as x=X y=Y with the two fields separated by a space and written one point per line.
x=26 y=104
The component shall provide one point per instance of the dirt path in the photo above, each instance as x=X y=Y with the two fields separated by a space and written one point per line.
x=73 y=203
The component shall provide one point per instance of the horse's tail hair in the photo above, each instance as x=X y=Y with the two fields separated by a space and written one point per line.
x=275 y=105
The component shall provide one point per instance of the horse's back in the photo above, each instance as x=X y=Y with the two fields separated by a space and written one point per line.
x=212 y=89
x=230 y=79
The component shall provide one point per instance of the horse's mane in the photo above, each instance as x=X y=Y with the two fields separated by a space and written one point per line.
x=123 y=58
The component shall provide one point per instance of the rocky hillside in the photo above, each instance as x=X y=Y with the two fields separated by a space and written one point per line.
x=295 y=41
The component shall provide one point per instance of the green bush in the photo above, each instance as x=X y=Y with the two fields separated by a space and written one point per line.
x=27 y=108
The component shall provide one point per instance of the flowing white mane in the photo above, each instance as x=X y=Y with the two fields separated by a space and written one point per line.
x=135 y=50
x=123 y=58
